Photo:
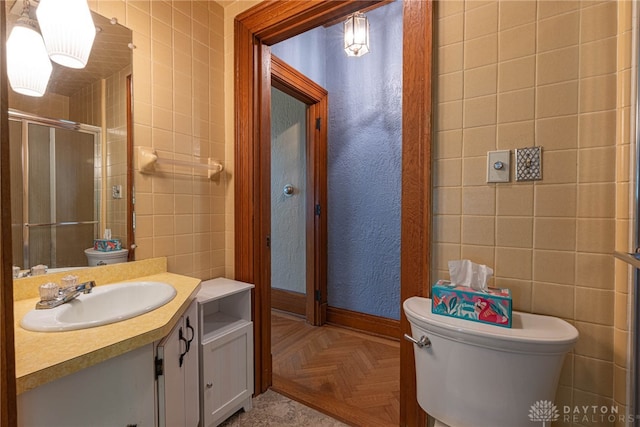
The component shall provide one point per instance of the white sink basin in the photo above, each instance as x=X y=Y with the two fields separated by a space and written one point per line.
x=105 y=304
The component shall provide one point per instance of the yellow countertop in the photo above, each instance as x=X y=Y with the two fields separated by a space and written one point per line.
x=42 y=357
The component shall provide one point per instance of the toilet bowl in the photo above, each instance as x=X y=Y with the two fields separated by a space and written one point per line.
x=478 y=375
x=102 y=258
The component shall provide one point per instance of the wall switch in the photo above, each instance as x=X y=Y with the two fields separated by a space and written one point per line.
x=529 y=164
x=498 y=166
x=116 y=192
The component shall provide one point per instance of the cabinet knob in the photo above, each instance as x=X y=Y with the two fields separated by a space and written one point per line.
x=209 y=385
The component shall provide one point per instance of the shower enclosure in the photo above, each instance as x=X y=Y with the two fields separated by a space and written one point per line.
x=56 y=171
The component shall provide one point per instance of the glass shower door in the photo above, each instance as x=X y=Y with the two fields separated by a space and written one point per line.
x=59 y=195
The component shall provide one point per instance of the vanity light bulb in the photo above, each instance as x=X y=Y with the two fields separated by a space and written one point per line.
x=68 y=31
x=28 y=65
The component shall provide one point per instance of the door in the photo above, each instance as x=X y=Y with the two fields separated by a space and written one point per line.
x=226 y=374
x=56 y=181
x=288 y=201
x=298 y=169
x=178 y=390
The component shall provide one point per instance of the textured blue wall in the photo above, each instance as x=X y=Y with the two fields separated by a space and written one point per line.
x=365 y=145
x=365 y=141
x=305 y=53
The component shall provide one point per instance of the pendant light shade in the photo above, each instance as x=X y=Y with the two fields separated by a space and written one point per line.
x=28 y=65
x=356 y=35
x=68 y=31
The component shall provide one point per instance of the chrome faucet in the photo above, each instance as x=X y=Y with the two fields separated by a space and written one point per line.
x=66 y=295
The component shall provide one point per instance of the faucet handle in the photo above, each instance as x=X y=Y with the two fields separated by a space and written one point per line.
x=69 y=281
x=49 y=291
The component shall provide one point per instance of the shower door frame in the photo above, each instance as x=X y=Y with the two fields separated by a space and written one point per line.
x=26 y=119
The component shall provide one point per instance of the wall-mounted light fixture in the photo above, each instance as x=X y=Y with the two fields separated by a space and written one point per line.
x=28 y=65
x=67 y=37
x=356 y=35
x=68 y=31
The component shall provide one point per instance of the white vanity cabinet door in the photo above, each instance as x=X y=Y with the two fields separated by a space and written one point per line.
x=171 y=382
x=227 y=374
x=192 y=369
x=178 y=400
x=116 y=392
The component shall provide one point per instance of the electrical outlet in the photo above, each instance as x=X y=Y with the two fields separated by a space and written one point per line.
x=498 y=166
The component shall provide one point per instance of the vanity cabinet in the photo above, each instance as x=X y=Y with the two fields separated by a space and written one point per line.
x=154 y=385
x=226 y=349
x=117 y=392
x=177 y=372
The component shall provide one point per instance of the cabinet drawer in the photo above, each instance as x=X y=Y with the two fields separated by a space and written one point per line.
x=227 y=373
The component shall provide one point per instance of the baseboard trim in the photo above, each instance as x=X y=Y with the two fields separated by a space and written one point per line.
x=289 y=301
x=375 y=325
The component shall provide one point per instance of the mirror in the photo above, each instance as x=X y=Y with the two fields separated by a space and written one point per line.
x=69 y=153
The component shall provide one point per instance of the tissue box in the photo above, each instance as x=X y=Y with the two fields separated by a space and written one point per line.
x=107 y=245
x=452 y=300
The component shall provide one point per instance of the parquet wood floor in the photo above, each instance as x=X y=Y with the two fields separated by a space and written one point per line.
x=351 y=376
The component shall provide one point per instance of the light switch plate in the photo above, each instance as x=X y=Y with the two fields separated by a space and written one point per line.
x=529 y=164
x=116 y=192
x=498 y=166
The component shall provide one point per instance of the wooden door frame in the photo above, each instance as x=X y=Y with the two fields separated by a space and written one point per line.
x=295 y=84
x=131 y=236
x=273 y=21
x=8 y=398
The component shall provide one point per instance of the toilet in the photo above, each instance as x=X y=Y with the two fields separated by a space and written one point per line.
x=102 y=258
x=471 y=374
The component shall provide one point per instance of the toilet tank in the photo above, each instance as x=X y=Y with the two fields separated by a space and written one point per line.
x=476 y=375
x=95 y=258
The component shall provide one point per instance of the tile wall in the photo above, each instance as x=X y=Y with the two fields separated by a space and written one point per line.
x=116 y=152
x=86 y=106
x=232 y=8
x=625 y=147
x=554 y=74
x=50 y=105
x=178 y=109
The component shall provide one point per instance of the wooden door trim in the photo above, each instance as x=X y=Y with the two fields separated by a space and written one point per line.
x=289 y=301
x=297 y=85
x=292 y=82
x=273 y=21
x=363 y=322
x=415 y=246
x=317 y=223
x=131 y=246
x=8 y=399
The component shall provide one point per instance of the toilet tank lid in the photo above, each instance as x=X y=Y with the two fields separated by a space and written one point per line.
x=526 y=328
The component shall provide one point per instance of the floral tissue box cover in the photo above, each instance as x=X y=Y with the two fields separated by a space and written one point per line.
x=107 y=245
x=493 y=307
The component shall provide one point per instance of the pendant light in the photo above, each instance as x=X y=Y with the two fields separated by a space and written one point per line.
x=356 y=35
x=68 y=31
x=28 y=65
